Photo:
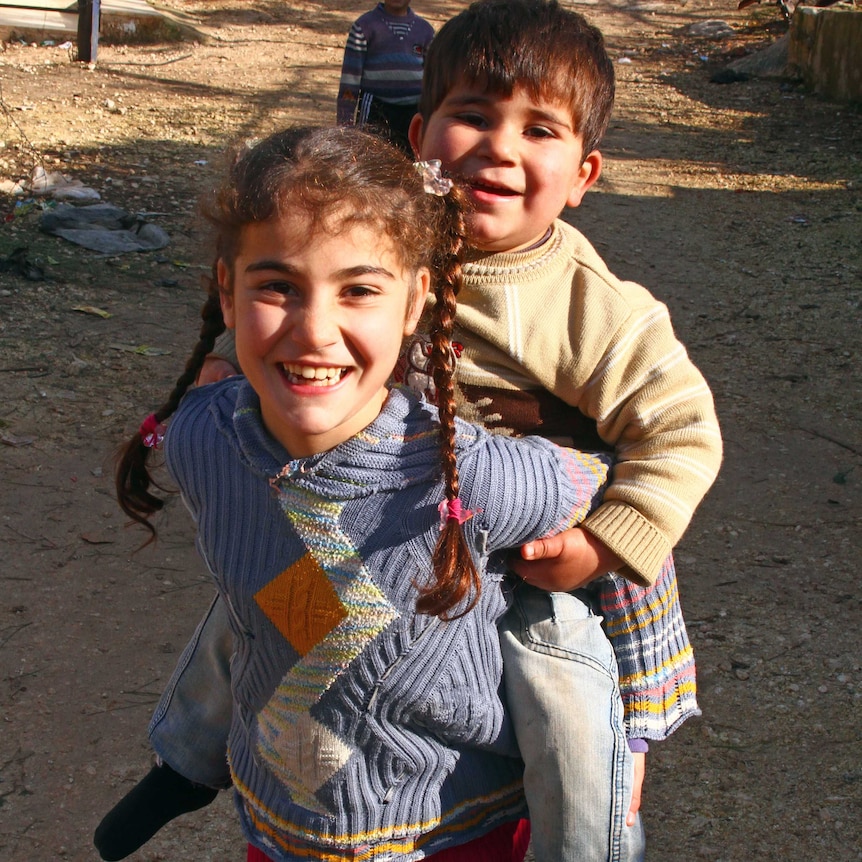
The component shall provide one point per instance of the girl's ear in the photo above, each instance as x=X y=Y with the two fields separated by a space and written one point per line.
x=590 y=171
x=225 y=294
x=420 y=294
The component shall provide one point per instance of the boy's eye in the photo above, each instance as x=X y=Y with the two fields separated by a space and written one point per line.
x=471 y=119
x=540 y=132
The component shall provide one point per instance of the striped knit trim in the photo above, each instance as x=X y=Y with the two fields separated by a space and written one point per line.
x=501 y=806
x=661 y=604
x=586 y=472
x=657 y=670
x=647 y=718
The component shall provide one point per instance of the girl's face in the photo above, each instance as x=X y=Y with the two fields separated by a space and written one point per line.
x=319 y=320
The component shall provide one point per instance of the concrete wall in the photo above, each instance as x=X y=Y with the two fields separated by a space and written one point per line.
x=826 y=51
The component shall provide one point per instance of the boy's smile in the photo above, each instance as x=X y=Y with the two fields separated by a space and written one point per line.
x=319 y=322
x=520 y=160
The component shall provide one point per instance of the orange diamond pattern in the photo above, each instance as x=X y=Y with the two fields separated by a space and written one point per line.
x=315 y=609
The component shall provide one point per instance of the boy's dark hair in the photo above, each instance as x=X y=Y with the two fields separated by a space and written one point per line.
x=536 y=44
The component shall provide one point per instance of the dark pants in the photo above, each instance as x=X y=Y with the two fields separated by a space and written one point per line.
x=391 y=122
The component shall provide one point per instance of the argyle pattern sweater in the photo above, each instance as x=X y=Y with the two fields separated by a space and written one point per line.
x=384 y=57
x=362 y=730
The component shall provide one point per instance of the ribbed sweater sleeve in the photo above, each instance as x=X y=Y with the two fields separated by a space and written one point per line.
x=351 y=73
x=547 y=488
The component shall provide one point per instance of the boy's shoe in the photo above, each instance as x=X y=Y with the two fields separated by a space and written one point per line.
x=158 y=798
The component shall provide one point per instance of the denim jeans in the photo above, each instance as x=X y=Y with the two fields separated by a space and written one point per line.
x=190 y=726
x=562 y=690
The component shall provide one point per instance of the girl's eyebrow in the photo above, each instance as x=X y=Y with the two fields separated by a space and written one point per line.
x=348 y=272
x=364 y=269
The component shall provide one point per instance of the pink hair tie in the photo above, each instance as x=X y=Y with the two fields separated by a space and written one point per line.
x=152 y=432
x=452 y=510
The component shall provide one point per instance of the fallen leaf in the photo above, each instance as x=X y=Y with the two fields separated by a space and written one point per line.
x=11 y=440
x=141 y=349
x=92 y=539
x=91 y=309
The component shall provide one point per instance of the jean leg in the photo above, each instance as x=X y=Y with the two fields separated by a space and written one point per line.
x=190 y=727
x=563 y=694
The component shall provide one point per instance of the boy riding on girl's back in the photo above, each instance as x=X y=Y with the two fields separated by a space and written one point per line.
x=516 y=97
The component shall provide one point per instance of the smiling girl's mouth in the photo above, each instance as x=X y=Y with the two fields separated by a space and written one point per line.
x=312 y=375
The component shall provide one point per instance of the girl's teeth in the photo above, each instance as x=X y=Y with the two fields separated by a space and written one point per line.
x=308 y=372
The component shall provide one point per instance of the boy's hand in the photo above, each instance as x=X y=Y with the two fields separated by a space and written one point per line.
x=564 y=562
x=214 y=369
x=637 y=787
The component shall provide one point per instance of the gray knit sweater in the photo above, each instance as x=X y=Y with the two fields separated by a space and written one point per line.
x=357 y=722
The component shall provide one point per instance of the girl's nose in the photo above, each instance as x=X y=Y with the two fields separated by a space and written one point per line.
x=315 y=326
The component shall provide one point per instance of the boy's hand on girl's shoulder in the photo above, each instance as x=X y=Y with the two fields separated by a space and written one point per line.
x=214 y=369
x=564 y=562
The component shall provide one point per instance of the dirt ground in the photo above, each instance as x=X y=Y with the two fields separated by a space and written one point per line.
x=739 y=205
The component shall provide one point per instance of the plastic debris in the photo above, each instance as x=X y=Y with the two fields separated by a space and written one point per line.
x=711 y=29
x=59 y=186
x=103 y=227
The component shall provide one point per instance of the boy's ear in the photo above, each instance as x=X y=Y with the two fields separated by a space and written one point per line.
x=420 y=294
x=590 y=171
x=414 y=134
x=225 y=294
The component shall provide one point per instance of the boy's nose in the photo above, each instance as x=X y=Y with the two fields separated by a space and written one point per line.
x=499 y=144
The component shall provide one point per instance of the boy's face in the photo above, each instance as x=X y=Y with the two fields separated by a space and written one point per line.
x=396 y=7
x=520 y=160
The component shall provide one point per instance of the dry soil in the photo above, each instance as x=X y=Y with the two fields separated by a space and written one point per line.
x=739 y=205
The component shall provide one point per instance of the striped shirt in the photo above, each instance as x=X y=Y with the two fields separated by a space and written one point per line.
x=384 y=58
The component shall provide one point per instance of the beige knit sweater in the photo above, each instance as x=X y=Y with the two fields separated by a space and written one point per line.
x=555 y=320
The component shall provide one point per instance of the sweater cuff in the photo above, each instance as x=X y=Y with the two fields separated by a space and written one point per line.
x=638 y=746
x=632 y=538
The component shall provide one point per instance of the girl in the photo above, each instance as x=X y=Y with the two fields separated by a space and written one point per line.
x=356 y=534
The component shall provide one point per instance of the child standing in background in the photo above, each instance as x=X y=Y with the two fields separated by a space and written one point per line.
x=354 y=534
x=381 y=76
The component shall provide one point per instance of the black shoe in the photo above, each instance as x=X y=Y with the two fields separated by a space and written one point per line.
x=154 y=801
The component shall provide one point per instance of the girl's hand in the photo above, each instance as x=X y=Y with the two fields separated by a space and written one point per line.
x=564 y=562
x=214 y=369
x=637 y=787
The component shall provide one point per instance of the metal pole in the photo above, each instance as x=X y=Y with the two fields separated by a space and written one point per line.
x=89 y=13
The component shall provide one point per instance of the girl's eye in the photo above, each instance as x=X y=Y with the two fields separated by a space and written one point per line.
x=277 y=286
x=359 y=290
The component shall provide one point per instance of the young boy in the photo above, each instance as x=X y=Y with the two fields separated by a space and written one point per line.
x=550 y=342
x=381 y=76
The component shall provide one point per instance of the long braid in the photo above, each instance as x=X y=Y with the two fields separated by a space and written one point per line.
x=133 y=480
x=456 y=577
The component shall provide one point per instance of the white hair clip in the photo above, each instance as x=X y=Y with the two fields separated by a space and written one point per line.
x=432 y=177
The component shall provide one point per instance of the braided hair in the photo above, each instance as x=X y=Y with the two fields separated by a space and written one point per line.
x=356 y=178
